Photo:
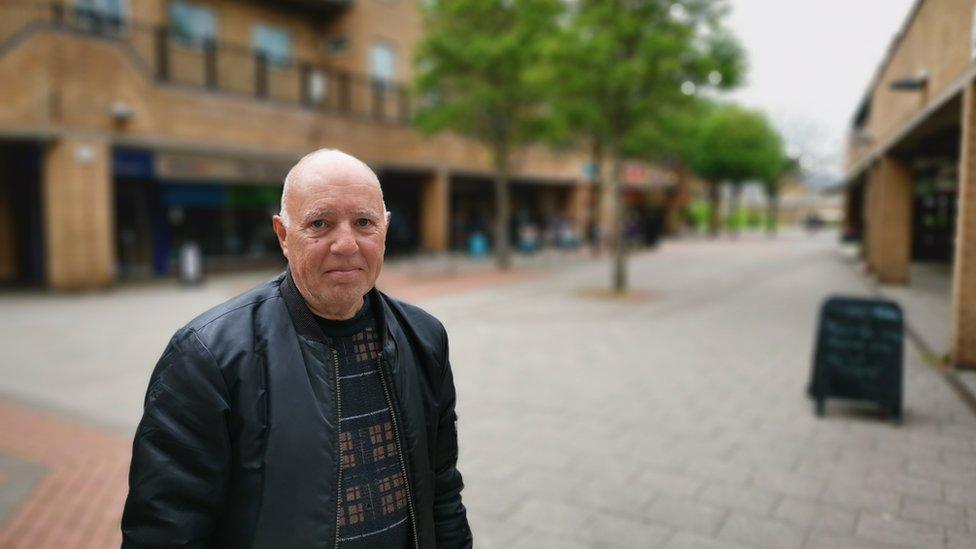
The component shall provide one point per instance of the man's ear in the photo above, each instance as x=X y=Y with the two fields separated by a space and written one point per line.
x=282 y=232
x=388 y=216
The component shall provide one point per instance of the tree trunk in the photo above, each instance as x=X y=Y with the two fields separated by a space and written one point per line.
x=714 y=207
x=596 y=235
x=676 y=198
x=772 y=213
x=734 y=200
x=619 y=239
x=503 y=253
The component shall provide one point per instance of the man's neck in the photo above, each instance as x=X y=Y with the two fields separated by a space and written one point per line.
x=339 y=312
x=329 y=311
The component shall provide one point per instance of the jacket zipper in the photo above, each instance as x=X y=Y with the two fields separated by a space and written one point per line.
x=335 y=362
x=403 y=466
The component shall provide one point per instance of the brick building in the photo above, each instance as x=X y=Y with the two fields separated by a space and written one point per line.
x=128 y=127
x=911 y=159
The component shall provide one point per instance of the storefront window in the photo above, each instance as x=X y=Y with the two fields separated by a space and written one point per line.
x=191 y=24
x=273 y=42
x=226 y=221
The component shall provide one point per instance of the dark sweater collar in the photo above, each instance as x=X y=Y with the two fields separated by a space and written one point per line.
x=347 y=327
x=306 y=323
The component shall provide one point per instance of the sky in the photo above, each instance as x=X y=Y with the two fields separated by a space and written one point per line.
x=810 y=63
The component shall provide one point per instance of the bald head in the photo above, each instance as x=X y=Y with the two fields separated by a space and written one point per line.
x=332 y=229
x=321 y=167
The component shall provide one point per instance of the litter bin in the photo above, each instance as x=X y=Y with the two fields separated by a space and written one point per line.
x=191 y=264
x=478 y=245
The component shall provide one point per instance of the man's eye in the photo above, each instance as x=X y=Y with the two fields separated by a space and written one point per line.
x=318 y=224
x=363 y=222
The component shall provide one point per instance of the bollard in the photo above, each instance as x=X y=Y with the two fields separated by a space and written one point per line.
x=191 y=264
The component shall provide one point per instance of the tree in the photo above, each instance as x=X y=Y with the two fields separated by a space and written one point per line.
x=735 y=145
x=788 y=166
x=621 y=71
x=473 y=67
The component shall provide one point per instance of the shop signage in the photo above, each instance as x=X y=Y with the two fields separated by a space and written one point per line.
x=859 y=353
x=589 y=171
x=132 y=163
x=663 y=180
x=635 y=174
x=187 y=167
x=640 y=176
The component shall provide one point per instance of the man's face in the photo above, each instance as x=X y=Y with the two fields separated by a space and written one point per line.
x=335 y=239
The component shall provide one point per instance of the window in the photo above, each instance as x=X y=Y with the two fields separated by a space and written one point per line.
x=273 y=42
x=191 y=24
x=336 y=44
x=101 y=15
x=382 y=61
x=318 y=86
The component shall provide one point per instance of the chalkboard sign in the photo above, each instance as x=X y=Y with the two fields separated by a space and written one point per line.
x=859 y=353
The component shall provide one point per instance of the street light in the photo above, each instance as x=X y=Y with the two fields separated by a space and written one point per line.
x=915 y=83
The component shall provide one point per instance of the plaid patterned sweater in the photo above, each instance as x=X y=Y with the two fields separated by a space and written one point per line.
x=373 y=509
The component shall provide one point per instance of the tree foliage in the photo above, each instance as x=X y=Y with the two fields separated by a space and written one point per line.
x=618 y=75
x=789 y=167
x=622 y=75
x=735 y=145
x=473 y=77
x=615 y=69
x=473 y=67
x=738 y=145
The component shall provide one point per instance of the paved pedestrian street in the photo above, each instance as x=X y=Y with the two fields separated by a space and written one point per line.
x=676 y=417
x=680 y=420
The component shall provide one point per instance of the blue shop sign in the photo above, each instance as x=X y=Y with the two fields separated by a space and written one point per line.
x=200 y=195
x=132 y=163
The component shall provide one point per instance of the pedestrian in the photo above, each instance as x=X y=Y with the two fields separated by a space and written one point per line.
x=310 y=411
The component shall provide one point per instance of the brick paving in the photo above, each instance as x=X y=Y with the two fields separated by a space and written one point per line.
x=78 y=500
x=678 y=420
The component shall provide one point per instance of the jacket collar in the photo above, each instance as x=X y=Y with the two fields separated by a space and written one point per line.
x=306 y=326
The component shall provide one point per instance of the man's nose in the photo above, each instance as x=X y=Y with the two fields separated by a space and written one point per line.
x=345 y=242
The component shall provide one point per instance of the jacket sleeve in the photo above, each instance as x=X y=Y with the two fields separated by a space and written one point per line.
x=450 y=517
x=180 y=456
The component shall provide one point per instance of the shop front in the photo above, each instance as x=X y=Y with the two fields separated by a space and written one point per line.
x=543 y=216
x=934 y=210
x=222 y=206
x=402 y=192
x=21 y=221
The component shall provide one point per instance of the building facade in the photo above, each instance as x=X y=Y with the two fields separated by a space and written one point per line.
x=131 y=127
x=911 y=160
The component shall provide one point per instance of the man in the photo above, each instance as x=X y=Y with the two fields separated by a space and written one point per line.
x=311 y=411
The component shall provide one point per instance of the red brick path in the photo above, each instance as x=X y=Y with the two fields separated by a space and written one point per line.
x=78 y=503
x=415 y=287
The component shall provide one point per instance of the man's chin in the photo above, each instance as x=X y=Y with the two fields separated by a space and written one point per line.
x=351 y=295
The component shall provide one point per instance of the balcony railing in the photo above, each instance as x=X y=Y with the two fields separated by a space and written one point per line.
x=322 y=9
x=215 y=66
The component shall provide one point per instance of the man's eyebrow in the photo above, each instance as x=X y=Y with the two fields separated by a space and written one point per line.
x=313 y=214
x=366 y=212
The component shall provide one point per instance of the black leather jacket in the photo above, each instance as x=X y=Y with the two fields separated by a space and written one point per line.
x=235 y=450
